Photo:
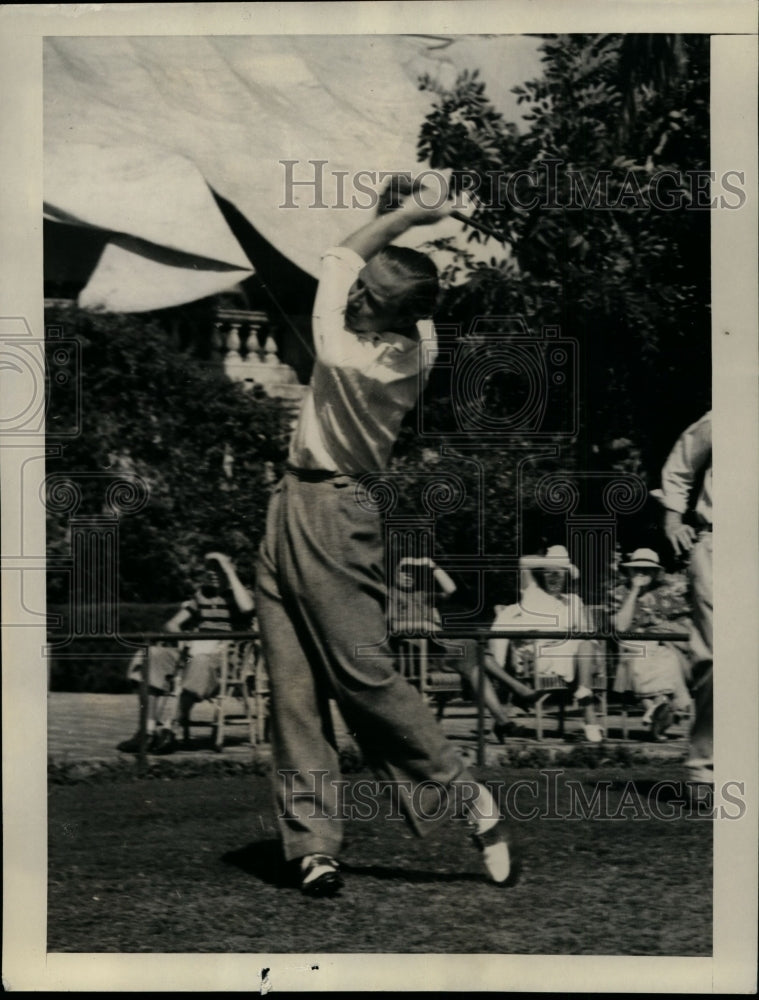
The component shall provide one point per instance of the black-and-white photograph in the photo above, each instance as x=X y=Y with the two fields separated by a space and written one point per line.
x=358 y=499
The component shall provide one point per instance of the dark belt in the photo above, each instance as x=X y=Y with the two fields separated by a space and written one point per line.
x=316 y=475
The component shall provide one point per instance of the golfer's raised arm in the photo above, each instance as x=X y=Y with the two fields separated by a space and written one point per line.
x=382 y=230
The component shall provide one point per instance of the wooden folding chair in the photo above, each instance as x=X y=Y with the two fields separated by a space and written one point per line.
x=259 y=691
x=416 y=665
x=556 y=686
x=243 y=679
x=242 y=695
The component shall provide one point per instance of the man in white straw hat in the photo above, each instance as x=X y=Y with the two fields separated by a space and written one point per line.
x=547 y=602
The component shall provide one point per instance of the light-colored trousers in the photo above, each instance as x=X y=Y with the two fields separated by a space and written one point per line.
x=321 y=593
x=700 y=571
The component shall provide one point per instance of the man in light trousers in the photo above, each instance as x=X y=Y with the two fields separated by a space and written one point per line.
x=321 y=583
x=687 y=486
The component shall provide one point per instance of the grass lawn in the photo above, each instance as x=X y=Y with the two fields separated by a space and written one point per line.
x=192 y=865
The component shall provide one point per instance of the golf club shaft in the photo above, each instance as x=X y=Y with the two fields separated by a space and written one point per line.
x=478 y=225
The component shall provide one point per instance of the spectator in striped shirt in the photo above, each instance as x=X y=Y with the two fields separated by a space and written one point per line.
x=220 y=604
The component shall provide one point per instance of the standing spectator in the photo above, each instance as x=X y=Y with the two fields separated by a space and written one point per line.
x=686 y=495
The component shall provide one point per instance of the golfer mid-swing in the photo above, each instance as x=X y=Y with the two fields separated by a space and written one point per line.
x=321 y=586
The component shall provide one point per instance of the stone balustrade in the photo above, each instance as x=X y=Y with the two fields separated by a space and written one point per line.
x=243 y=342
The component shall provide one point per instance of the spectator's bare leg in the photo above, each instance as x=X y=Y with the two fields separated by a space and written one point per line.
x=511 y=682
x=492 y=701
x=155 y=700
x=467 y=665
x=586 y=667
x=186 y=700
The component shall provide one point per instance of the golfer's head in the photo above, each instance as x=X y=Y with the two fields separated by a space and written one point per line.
x=393 y=290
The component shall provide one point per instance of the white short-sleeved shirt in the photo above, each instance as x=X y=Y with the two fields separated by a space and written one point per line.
x=538 y=610
x=690 y=457
x=362 y=384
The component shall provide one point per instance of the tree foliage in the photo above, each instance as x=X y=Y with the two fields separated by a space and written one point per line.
x=578 y=200
x=198 y=441
x=586 y=249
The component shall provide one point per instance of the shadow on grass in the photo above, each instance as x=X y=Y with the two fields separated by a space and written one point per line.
x=264 y=860
x=207 y=741
x=417 y=877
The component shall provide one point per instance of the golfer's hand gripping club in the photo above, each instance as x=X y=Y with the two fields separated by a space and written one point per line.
x=400 y=187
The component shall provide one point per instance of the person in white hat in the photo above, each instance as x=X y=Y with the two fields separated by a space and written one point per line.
x=548 y=602
x=655 y=672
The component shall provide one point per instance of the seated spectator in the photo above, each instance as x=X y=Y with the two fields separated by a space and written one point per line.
x=220 y=604
x=656 y=672
x=412 y=612
x=547 y=602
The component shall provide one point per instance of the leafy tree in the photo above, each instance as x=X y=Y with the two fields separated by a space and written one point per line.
x=199 y=442
x=586 y=250
x=589 y=246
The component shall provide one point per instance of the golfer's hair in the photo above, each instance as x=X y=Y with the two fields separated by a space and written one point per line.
x=407 y=263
